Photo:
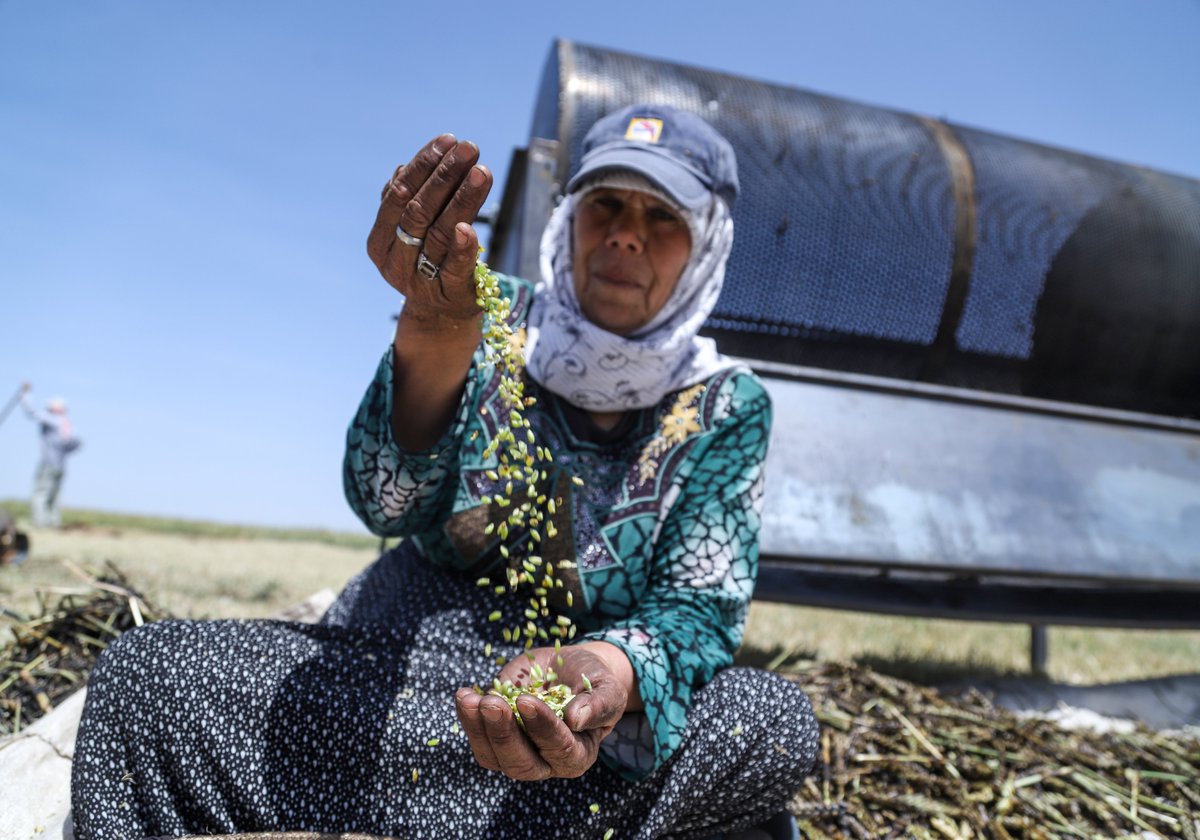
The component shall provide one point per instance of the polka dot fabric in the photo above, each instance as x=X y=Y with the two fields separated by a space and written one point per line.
x=198 y=727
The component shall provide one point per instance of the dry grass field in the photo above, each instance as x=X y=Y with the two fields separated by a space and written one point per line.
x=209 y=570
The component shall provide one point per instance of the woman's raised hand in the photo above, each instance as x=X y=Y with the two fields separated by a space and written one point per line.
x=422 y=241
x=547 y=746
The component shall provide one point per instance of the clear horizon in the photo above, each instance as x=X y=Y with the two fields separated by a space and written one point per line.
x=185 y=192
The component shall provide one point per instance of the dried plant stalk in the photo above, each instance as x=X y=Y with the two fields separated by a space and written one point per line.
x=906 y=762
x=52 y=653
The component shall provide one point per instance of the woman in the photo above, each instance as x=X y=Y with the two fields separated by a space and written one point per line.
x=368 y=722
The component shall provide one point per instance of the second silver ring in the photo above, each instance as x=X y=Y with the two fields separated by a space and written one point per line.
x=426 y=267
x=408 y=239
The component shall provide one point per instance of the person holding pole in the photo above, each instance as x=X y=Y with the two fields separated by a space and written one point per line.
x=58 y=441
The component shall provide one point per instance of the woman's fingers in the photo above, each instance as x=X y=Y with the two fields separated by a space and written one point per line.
x=461 y=207
x=568 y=754
x=599 y=708
x=547 y=745
x=544 y=748
x=445 y=261
x=405 y=183
x=513 y=750
x=422 y=241
x=496 y=738
x=466 y=704
x=434 y=196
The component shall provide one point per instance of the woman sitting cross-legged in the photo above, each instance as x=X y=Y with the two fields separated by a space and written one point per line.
x=618 y=566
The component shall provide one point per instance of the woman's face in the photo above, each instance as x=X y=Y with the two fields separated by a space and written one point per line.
x=630 y=249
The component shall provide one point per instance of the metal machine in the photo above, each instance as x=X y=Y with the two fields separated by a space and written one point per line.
x=983 y=352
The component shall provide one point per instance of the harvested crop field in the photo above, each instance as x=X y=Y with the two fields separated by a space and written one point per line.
x=899 y=759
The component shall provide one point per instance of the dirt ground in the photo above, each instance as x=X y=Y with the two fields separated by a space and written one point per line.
x=187 y=576
x=221 y=577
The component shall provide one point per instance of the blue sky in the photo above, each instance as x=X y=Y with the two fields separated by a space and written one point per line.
x=186 y=189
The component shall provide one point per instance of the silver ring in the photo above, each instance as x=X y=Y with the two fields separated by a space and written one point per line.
x=426 y=267
x=407 y=238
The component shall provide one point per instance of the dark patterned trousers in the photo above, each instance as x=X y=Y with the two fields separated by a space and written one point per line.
x=196 y=727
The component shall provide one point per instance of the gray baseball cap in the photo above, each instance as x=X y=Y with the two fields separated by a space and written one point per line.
x=677 y=150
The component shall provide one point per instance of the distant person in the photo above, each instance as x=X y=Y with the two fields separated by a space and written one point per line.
x=58 y=441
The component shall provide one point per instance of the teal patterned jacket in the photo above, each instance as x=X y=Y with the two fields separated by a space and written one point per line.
x=663 y=532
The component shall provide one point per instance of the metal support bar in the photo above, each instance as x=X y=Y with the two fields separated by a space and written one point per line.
x=1038 y=648
x=1168 y=606
x=16 y=398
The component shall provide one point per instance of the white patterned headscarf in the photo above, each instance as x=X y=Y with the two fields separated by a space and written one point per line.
x=601 y=371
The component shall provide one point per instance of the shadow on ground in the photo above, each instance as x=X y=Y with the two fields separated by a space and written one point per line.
x=1161 y=703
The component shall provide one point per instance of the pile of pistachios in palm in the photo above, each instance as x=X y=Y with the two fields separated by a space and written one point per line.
x=522 y=466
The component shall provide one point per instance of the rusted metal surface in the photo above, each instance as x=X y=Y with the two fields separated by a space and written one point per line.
x=966 y=221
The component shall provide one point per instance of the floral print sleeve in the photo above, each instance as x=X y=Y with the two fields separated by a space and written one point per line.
x=689 y=621
x=395 y=492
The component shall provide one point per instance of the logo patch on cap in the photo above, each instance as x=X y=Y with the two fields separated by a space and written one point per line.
x=644 y=130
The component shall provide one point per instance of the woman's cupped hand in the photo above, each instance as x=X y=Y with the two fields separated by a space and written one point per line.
x=424 y=222
x=549 y=746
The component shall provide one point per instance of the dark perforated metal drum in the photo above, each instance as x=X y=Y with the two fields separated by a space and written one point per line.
x=982 y=352
x=885 y=243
